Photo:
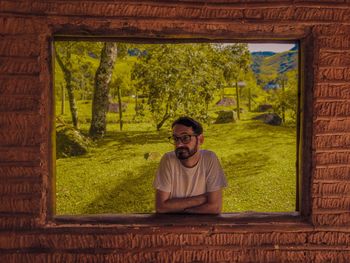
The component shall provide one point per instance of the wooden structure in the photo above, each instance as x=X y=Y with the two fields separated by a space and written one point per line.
x=29 y=231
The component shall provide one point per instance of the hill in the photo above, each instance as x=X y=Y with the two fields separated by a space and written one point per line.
x=258 y=58
x=268 y=65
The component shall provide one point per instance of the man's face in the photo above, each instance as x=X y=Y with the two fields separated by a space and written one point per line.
x=187 y=142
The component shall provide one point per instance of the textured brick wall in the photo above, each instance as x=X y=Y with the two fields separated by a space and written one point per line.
x=27 y=233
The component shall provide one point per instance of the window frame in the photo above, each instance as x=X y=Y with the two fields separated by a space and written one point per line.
x=303 y=148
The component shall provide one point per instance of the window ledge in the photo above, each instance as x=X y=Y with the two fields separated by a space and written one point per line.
x=233 y=219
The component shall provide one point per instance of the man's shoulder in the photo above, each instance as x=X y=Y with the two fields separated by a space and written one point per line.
x=169 y=156
x=208 y=154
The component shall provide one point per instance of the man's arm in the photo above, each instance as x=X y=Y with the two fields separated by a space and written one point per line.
x=212 y=206
x=166 y=205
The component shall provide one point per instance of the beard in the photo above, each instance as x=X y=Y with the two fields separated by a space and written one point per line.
x=183 y=153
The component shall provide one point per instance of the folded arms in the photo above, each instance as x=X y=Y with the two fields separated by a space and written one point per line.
x=208 y=203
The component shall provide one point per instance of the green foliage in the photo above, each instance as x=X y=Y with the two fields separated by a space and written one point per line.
x=175 y=79
x=235 y=60
x=285 y=98
x=122 y=77
x=81 y=59
x=178 y=79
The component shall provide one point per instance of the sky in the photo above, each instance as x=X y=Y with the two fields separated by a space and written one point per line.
x=275 y=47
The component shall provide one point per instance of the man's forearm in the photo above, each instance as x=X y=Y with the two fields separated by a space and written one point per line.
x=180 y=204
x=207 y=208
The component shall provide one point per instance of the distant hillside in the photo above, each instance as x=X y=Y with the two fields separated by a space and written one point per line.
x=268 y=64
x=258 y=58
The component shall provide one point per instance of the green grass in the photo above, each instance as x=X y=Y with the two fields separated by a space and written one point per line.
x=259 y=162
x=114 y=177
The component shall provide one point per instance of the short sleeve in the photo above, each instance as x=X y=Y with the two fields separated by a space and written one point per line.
x=163 y=180
x=215 y=176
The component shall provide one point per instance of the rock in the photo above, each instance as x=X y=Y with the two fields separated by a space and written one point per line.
x=269 y=118
x=226 y=117
x=69 y=141
x=264 y=107
x=273 y=119
x=152 y=156
x=226 y=102
x=114 y=107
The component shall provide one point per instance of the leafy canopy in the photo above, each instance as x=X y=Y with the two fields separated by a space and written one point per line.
x=181 y=79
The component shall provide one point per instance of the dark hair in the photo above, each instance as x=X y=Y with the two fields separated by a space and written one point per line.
x=189 y=122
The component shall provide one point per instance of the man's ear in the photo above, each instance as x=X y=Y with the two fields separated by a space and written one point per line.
x=201 y=139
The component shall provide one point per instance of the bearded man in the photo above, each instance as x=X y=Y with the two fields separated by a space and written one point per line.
x=189 y=180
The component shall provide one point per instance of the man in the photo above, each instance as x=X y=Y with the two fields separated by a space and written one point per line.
x=189 y=180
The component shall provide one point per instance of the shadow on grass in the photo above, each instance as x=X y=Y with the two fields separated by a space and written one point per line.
x=132 y=195
x=245 y=164
x=134 y=137
x=259 y=126
x=136 y=194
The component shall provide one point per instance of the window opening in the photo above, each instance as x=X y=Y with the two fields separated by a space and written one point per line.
x=244 y=94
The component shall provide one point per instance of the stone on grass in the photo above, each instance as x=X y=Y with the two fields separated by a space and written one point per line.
x=264 y=107
x=269 y=118
x=226 y=117
x=114 y=107
x=152 y=156
x=226 y=102
x=69 y=141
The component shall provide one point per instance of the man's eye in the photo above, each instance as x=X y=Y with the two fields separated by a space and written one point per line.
x=186 y=138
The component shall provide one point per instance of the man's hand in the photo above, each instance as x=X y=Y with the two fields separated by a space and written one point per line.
x=177 y=205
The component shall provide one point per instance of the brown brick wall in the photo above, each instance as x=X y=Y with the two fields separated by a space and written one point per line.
x=28 y=233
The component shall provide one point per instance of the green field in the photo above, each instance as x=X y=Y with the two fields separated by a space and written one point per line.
x=114 y=177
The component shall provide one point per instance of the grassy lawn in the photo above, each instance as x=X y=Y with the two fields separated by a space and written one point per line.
x=114 y=177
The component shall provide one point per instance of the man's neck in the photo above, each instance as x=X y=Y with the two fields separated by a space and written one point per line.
x=192 y=161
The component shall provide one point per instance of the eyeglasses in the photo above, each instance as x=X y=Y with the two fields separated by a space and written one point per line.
x=185 y=139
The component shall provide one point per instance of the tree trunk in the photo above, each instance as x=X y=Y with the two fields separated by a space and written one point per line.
x=101 y=89
x=73 y=106
x=136 y=105
x=237 y=101
x=120 y=110
x=62 y=100
x=283 y=104
x=68 y=78
x=165 y=118
x=249 y=100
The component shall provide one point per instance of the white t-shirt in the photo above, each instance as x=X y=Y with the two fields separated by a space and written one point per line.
x=174 y=178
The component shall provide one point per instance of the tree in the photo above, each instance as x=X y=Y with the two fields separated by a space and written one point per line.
x=235 y=60
x=291 y=93
x=101 y=89
x=118 y=83
x=285 y=98
x=179 y=79
x=77 y=61
x=63 y=53
x=282 y=79
x=121 y=78
x=253 y=93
